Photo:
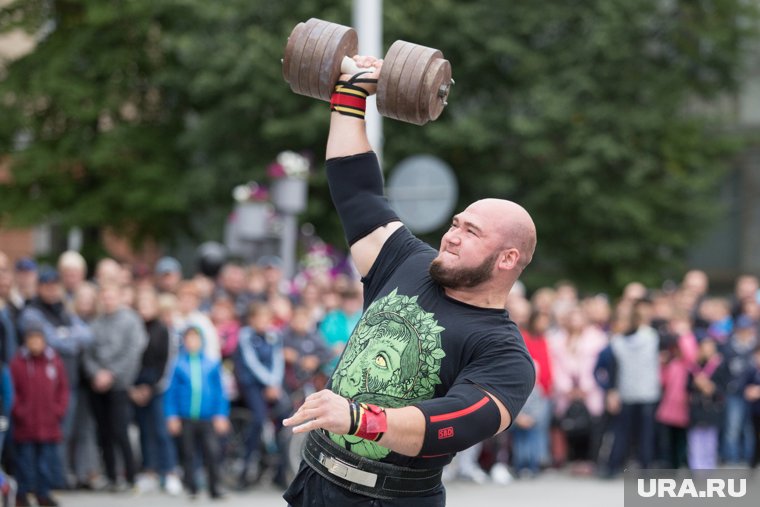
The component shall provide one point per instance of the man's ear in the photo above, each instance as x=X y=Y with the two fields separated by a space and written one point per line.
x=509 y=258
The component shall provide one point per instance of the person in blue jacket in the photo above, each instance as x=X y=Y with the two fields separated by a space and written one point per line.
x=197 y=410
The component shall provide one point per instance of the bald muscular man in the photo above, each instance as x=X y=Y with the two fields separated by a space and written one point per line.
x=435 y=364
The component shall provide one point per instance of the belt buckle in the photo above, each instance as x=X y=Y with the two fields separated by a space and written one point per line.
x=346 y=471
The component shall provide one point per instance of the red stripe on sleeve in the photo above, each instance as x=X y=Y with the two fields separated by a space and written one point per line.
x=459 y=413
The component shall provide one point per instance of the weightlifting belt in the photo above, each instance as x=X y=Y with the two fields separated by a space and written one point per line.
x=364 y=476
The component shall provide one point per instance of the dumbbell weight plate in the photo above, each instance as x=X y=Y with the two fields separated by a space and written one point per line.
x=391 y=78
x=308 y=73
x=316 y=68
x=311 y=64
x=418 y=64
x=343 y=42
x=291 y=62
x=435 y=89
x=410 y=79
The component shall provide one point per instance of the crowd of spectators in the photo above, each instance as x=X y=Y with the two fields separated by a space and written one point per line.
x=660 y=377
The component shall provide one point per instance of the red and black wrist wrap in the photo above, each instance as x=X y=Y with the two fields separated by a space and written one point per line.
x=349 y=100
x=367 y=421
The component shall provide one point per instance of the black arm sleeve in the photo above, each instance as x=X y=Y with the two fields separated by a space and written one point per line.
x=356 y=187
x=461 y=419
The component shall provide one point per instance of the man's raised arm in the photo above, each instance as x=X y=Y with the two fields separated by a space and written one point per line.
x=353 y=172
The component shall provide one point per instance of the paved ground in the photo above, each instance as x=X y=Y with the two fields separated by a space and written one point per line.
x=550 y=490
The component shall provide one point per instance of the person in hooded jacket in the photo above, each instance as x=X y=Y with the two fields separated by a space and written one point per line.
x=197 y=410
x=41 y=395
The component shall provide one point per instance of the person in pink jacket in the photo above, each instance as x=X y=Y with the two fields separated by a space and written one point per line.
x=673 y=409
x=574 y=349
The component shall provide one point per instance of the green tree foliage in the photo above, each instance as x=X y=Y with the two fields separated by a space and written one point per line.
x=143 y=115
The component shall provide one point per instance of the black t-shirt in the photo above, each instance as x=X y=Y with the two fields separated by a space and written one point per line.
x=413 y=343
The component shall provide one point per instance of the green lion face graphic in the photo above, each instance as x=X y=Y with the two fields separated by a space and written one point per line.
x=392 y=359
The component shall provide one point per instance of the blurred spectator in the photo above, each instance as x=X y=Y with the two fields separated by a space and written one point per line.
x=225 y=322
x=168 y=275
x=738 y=436
x=197 y=410
x=73 y=270
x=157 y=450
x=26 y=281
x=259 y=369
x=574 y=349
x=84 y=449
x=707 y=384
x=205 y=286
x=68 y=335
x=112 y=364
x=543 y=300
x=634 y=291
x=232 y=284
x=273 y=276
x=678 y=355
x=636 y=352
x=338 y=324
x=696 y=283
x=752 y=395
x=538 y=348
x=311 y=300
x=527 y=450
x=8 y=312
x=305 y=352
x=598 y=311
x=189 y=315
x=519 y=311
x=41 y=394
x=693 y=291
x=746 y=288
x=717 y=314
x=282 y=310
x=108 y=271
x=167 y=311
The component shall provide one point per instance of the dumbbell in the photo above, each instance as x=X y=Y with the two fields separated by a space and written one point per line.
x=414 y=80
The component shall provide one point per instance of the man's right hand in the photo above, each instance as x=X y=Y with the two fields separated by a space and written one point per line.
x=366 y=62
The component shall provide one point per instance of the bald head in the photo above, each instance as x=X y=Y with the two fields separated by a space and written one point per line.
x=511 y=223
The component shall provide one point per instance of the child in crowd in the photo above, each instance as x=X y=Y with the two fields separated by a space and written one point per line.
x=197 y=410
x=259 y=369
x=527 y=448
x=679 y=352
x=41 y=395
x=226 y=323
x=707 y=385
x=305 y=352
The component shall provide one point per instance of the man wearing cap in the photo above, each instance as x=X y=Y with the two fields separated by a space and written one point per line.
x=66 y=333
x=168 y=275
x=273 y=274
x=26 y=280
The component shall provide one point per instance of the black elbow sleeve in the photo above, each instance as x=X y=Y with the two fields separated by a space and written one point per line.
x=461 y=419
x=356 y=187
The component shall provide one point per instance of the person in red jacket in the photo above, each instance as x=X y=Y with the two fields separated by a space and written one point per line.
x=41 y=396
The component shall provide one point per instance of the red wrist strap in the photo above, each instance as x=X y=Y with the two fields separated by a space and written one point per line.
x=349 y=100
x=374 y=422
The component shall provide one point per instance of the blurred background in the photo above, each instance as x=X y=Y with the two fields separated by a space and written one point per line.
x=160 y=140
x=627 y=128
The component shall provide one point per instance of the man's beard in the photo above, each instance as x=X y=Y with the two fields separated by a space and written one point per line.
x=462 y=278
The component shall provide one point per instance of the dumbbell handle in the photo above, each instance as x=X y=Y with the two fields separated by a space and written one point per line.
x=348 y=66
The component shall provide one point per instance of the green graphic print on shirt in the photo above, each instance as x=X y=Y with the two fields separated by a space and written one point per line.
x=392 y=359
